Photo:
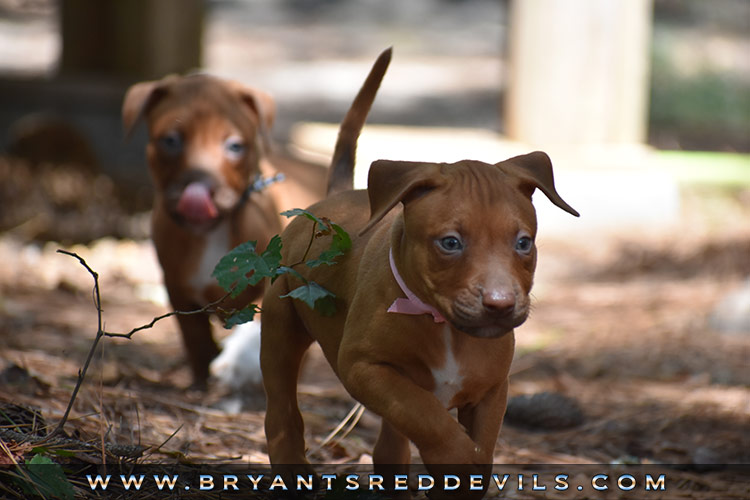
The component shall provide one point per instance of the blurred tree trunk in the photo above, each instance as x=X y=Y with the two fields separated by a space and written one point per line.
x=132 y=39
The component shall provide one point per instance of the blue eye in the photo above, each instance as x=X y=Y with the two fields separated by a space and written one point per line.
x=524 y=244
x=171 y=143
x=234 y=147
x=450 y=244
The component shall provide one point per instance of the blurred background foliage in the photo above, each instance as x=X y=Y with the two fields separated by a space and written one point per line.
x=700 y=68
x=700 y=85
x=63 y=127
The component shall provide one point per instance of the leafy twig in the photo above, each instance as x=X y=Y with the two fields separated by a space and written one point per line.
x=240 y=268
x=313 y=233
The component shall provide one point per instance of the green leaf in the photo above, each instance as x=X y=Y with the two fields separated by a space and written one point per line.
x=342 y=238
x=243 y=267
x=48 y=478
x=299 y=211
x=39 y=459
x=53 y=451
x=233 y=267
x=340 y=244
x=326 y=306
x=316 y=297
x=288 y=270
x=244 y=315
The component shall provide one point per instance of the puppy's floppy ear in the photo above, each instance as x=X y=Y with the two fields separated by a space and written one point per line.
x=139 y=99
x=534 y=170
x=390 y=182
x=263 y=107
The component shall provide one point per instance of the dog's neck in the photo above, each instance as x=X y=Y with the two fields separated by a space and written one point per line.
x=412 y=304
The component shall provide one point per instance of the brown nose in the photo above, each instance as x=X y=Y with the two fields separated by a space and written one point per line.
x=499 y=301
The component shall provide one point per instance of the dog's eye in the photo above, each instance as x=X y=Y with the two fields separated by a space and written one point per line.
x=234 y=148
x=450 y=244
x=524 y=244
x=171 y=143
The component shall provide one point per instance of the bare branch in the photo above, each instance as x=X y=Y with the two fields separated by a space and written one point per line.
x=207 y=308
x=101 y=333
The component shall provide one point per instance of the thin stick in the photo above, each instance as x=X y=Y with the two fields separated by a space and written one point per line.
x=352 y=424
x=309 y=245
x=101 y=406
x=349 y=421
x=99 y=335
x=206 y=308
x=170 y=437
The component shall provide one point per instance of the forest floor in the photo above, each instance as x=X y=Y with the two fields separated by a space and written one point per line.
x=621 y=326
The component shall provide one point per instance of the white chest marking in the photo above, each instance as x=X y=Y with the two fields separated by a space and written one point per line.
x=448 y=379
x=217 y=245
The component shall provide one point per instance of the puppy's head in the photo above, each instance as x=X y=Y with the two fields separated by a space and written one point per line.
x=206 y=138
x=465 y=243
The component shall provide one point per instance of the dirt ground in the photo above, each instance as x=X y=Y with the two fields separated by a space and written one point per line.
x=620 y=327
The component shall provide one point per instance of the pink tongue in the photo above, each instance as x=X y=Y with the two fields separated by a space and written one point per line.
x=196 y=205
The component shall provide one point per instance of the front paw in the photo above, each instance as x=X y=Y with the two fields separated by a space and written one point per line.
x=461 y=469
x=459 y=481
x=459 y=449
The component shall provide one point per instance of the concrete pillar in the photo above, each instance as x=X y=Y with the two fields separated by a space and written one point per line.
x=579 y=71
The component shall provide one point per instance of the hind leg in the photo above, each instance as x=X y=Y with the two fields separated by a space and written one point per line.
x=283 y=344
x=199 y=343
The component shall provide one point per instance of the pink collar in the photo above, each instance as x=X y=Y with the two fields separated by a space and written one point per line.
x=411 y=305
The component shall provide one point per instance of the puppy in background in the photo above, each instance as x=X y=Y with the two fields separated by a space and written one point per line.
x=208 y=149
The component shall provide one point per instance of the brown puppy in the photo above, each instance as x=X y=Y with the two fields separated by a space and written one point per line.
x=207 y=139
x=438 y=277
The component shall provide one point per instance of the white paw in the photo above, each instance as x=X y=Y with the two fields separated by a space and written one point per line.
x=238 y=364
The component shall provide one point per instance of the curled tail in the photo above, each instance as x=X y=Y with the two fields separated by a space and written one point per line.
x=341 y=171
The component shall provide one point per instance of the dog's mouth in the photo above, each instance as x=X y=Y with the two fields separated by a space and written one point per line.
x=196 y=205
x=200 y=204
x=487 y=326
x=484 y=332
